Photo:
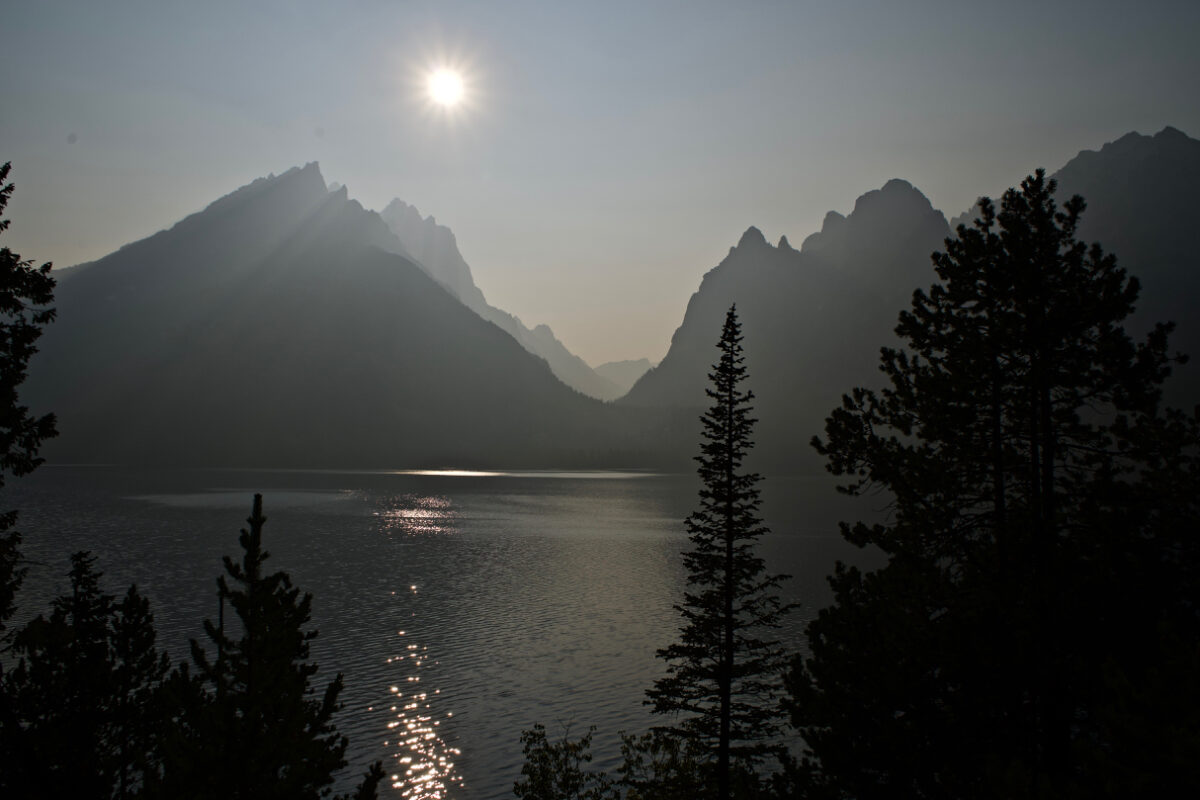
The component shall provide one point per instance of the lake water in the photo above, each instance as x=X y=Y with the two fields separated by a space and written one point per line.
x=461 y=607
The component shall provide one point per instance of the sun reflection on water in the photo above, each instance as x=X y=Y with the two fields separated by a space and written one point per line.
x=424 y=762
x=418 y=514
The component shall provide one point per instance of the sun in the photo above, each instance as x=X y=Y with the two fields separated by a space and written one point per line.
x=445 y=88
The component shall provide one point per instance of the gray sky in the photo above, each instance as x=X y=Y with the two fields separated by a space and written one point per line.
x=608 y=153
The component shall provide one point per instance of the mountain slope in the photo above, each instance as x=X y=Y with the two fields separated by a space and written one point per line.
x=624 y=373
x=813 y=320
x=1138 y=191
x=279 y=327
x=433 y=247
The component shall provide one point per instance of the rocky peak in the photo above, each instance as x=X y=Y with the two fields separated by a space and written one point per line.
x=752 y=238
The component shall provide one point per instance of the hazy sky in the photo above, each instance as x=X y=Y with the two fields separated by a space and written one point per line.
x=608 y=153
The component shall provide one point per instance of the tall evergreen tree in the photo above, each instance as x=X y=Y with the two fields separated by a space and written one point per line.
x=1016 y=440
x=723 y=674
x=248 y=723
x=25 y=294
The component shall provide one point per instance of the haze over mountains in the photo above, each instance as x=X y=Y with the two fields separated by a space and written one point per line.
x=814 y=319
x=285 y=325
x=281 y=327
x=433 y=246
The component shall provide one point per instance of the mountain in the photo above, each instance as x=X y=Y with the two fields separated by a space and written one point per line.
x=280 y=326
x=624 y=373
x=813 y=319
x=1138 y=191
x=433 y=247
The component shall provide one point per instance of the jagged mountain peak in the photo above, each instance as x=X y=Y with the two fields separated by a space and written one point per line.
x=895 y=206
x=896 y=192
x=299 y=182
x=753 y=237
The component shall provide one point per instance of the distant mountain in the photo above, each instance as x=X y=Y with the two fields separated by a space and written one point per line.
x=624 y=373
x=434 y=248
x=813 y=319
x=1139 y=192
x=281 y=327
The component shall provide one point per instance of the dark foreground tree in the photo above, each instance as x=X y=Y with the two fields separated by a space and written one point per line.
x=723 y=676
x=83 y=695
x=248 y=723
x=1040 y=529
x=557 y=770
x=25 y=294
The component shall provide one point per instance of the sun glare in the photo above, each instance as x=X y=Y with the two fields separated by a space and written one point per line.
x=446 y=88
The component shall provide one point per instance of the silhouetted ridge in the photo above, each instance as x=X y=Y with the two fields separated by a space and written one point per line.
x=624 y=373
x=812 y=319
x=753 y=237
x=281 y=327
x=815 y=320
x=434 y=248
x=1139 y=192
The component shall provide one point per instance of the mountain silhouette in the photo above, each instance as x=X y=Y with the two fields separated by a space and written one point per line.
x=1137 y=190
x=624 y=373
x=813 y=319
x=433 y=247
x=281 y=326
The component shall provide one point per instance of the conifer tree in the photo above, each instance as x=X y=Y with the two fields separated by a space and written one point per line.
x=25 y=294
x=84 y=696
x=248 y=723
x=557 y=770
x=722 y=677
x=1016 y=440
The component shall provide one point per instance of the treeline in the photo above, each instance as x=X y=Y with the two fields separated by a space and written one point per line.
x=93 y=709
x=1034 y=631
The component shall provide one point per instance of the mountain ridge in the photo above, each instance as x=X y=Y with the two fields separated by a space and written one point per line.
x=849 y=281
x=435 y=248
x=280 y=327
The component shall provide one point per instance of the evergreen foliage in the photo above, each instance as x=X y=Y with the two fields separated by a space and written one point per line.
x=658 y=766
x=556 y=770
x=83 y=696
x=248 y=722
x=722 y=677
x=25 y=293
x=1040 y=504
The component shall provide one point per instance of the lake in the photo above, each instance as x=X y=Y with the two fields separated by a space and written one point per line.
x=461 y=607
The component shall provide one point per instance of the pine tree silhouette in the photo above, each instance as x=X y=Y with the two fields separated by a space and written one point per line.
x=1021 y=443
x=249 y=723
x=84 y=696
x=723 y=673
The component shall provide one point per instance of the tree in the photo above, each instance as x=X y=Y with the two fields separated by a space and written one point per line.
x=723 y=674
x=556 y=770
x=25 y=293
x=1022 y=447
x=83 y=696
x=248 y=723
